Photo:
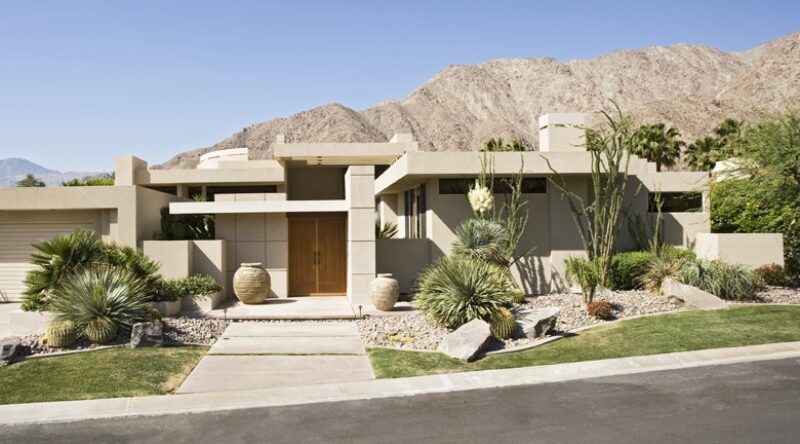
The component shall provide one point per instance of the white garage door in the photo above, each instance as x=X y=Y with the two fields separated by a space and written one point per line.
x=15 y=250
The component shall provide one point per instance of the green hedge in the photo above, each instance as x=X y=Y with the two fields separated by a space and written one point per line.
x=627 y=267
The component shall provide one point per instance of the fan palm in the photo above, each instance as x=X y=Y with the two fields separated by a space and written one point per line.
x=658 y=144
x=703 y=154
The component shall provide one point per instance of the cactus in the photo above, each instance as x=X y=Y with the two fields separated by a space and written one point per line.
x=517 y=296
x=60 y=334
x=101 y=330
x=502 y=324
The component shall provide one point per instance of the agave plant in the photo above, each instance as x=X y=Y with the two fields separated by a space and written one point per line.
x=481 y=239
x=99 y=295
x=458 y=289
x=55 y=260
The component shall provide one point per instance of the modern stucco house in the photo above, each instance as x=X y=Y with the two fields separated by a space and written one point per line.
x=309 y=214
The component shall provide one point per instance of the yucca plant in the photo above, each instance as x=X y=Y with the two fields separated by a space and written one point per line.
x=483 y=240
x=385 y=231
x=101 y=294
x=660 y=268
x=55 y=260
x=458 y=289
x=585 y=274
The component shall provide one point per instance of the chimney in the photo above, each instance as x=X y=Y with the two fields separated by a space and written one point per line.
x=562 y=131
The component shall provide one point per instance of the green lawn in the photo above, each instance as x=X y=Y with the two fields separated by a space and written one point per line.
x=109 y=373
x=685 y=331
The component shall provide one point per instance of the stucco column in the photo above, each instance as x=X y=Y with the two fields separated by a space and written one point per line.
x=360 y=194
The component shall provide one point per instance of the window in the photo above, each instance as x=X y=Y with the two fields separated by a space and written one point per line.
x=691 y=202
x=530 y=185
x=415 y=212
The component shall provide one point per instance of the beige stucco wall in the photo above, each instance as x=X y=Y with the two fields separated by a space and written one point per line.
x=174 y=257
x=260 y=238
x=404 y=258
x=359 y=186
x=751 y=249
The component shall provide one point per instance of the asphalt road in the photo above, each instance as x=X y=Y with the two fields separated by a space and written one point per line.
x=742 y=403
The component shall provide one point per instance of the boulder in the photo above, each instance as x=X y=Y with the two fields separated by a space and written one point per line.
x=692 y=296
x=537 y=323
x=9 y=348
x=467 y=341
x=147 y=334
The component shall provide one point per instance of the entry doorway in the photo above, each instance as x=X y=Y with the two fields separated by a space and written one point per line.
x=317 y=254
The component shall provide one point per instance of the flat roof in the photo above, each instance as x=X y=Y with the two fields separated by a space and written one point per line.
x=340 y=153
x=260 y=206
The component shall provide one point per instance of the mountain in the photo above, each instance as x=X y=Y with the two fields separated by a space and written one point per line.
x=688 y=86
x=14 y=169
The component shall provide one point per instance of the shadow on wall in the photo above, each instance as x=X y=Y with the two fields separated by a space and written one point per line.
x=531 y=272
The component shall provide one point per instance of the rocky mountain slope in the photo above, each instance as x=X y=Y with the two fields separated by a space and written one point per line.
x=14 y=169
x=688 y=86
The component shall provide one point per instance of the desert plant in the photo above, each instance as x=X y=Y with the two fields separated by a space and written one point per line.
x=597 y=220
x=726 y=281
x=516 y=295
x=30 y=181
x=60 y=334
x=502 y=323
x=657 y=143
x=481 y=239
x=493 y=145
x=101 y=292
x=458 y=289
x=585 y=274
x=772 y=274
x=385 y=231
x=101 y=330
x=186 y=226
x=199 y=285
x=660 y=268
x=600 y=310
x=102 y=180
x=627 y=268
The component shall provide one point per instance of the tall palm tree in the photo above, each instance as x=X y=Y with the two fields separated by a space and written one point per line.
x=658 y=143
x=729 y=137
x=703 y=154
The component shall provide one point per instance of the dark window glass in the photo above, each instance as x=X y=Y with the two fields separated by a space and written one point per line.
x=169 y=190
x=243 y=189
x=415 y=208
x=530 y=185
x=691 y=202
x=195 y=192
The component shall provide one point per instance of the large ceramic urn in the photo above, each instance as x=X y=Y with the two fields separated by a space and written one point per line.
x=384 y=291
x=251 y=283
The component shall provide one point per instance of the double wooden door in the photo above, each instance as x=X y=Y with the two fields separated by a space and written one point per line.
x=317 y=254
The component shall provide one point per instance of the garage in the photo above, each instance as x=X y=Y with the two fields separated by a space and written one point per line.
x=18 y=230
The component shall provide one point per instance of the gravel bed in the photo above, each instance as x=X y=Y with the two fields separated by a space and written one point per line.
x=779 y=295
x=414 y=332
x=32 y=345
x=181 y=330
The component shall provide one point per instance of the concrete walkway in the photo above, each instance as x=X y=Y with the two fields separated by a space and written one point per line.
x=303 y=308
x=252 y=356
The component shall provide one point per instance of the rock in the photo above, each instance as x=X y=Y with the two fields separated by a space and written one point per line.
x=693 y=296
x=147 y=334
x=9 y=349
x=467 y=341
x=537 y=323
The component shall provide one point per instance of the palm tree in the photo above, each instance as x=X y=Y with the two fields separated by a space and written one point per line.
x=729 y=136
x=658 y=144
x=494 y=145
x=30 y=181
x=703 y=154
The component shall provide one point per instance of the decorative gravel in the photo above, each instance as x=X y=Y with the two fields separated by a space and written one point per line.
x=415 y=332
x=779 y=295
x=181 y=330
x=32 y=345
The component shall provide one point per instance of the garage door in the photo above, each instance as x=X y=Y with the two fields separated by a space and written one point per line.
x=15 y=250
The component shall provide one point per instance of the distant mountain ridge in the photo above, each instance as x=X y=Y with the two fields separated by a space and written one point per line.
x=14 y=169
x=691 y=87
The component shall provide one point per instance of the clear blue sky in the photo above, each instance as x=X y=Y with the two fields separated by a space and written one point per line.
x=83 y=81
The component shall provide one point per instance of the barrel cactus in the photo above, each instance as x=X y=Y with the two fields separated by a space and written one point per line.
x=101 y=330
x=60 y=334
x=517 y=296
x=502 y=324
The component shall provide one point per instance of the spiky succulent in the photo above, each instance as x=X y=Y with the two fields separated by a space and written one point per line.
x=60 y=334
x=101 y=330
x=481 y=239
x=502 y=324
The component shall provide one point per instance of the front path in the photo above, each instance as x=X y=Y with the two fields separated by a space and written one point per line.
x=260 y=355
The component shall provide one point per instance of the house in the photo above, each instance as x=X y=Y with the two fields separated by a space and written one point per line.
x=309 y=214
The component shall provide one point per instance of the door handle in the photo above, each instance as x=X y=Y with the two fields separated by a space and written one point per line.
x=317 y=258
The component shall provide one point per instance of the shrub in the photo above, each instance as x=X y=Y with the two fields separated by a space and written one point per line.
x=194 y=285
x=627 y=269
x=101 y=292
x=60 y=258
x=502 y=323
x=585 y=273
x=481 y=239
x=726 y=281
x=458 y=289
x=599 y=310
x=661 y=268
x=772 y=274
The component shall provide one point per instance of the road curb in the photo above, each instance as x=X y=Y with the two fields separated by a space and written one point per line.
x=385 y=388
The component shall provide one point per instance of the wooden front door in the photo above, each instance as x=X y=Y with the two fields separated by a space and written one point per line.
x=317 y=254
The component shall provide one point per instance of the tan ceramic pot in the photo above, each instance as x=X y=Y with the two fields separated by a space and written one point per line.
x=384 y=291
x=251 y=283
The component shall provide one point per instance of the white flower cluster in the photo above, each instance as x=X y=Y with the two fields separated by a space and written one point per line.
x=480 y=199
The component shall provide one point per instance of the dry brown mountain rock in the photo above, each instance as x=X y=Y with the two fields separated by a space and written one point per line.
x=688 y=86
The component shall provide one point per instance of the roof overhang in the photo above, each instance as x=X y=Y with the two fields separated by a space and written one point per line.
x=339 y=153
x=261 y=206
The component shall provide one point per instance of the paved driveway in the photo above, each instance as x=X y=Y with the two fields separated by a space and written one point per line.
x=259 y=355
